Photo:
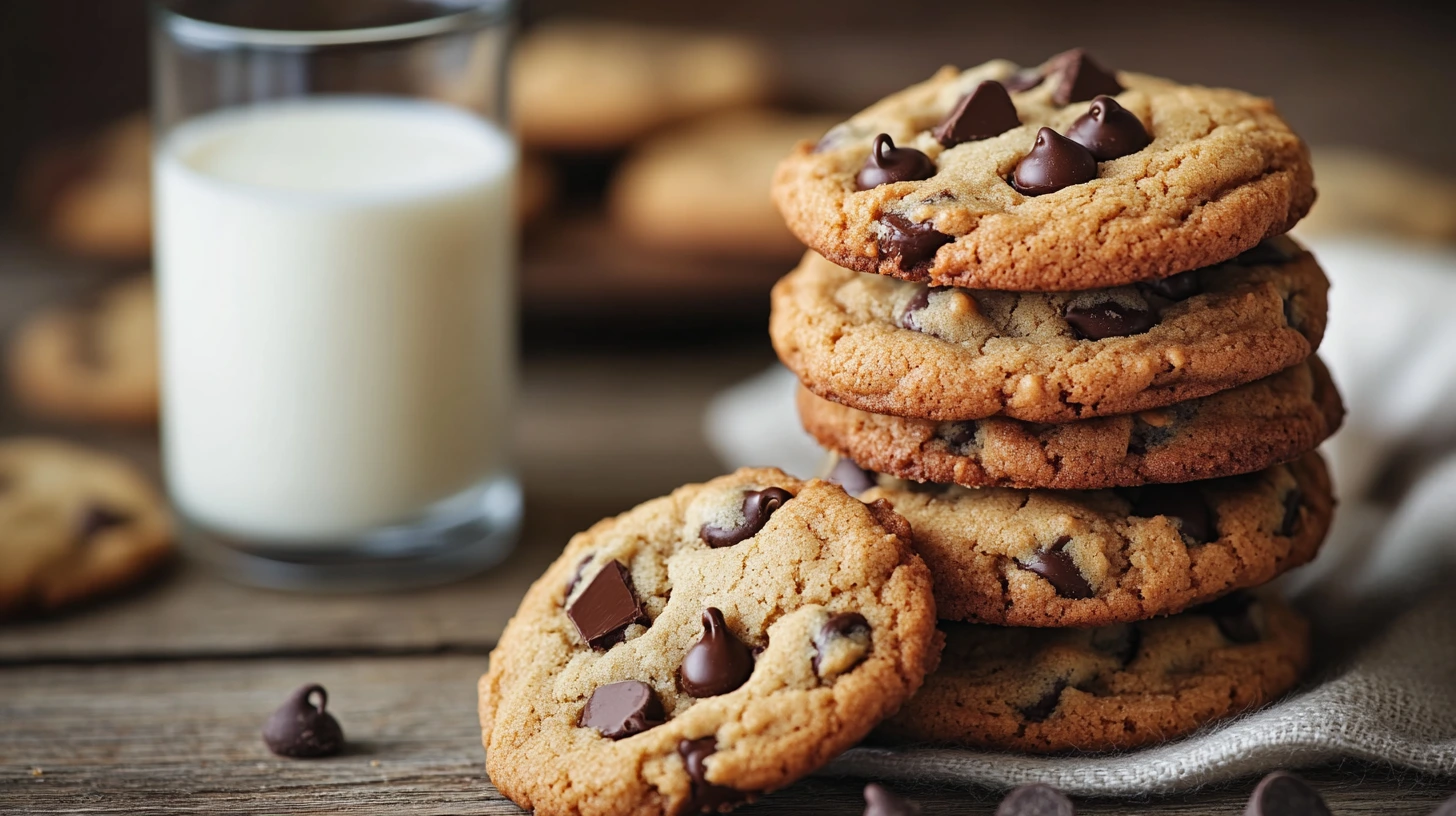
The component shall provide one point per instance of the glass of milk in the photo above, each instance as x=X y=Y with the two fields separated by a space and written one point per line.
x=335 y=252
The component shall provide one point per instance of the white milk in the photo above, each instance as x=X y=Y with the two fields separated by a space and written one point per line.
x=337 y=313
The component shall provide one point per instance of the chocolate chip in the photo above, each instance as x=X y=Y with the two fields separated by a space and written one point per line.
x=1054 y=163
x=1231 y=614
x=1024 y=80
x=706 y=796
x=758 y=505
x=301 y=729
x=1283 y=794
x=888 y=164
x=96 y=518
x=1181 y=286
x=1108 y=319
x=1036 y=800
x=917 y=302
x=853 y=478
x=1293 y=500
x=1079 y=78
x=1182 y=503
x=606 y=607
x=622 y=709
x=844 y=625
x=1058 y=568
x=719 y=662
x=879 y=801
x=1121 y=641
x=913 y=243
x=1108 y=130
x=959 y=435
x=576 y=576
x=985 y=112
x=1043 y=708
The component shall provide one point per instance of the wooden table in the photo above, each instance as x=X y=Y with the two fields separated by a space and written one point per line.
x=153 y=702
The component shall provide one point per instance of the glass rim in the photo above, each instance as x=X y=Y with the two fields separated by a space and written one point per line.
x=473 y=15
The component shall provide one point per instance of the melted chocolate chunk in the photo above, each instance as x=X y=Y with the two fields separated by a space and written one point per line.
x=1079 y=78
x=888 y=164
x=879 y=801
x=706 y=796
x=1108 y=130
x=1058 y=568
x=1054 y=163
x=853 y=478
x=1043 y=708
x=622 y=709
x=1232 y=614
x=1108 y=319
x=1292 y=502
x=301 y=729
x=96 y=518
x=606 y=607
x=1181 y=286
x=1283 y=794
x=842 y=625
x=913 y=243
x=758 y=505
x=985 y=112
x=1036 y=800
x=918 y=301
x=1182 y=503
x=1122 y=642
x=718 y=663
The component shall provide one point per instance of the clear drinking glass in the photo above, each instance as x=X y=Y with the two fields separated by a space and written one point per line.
x=335 y=257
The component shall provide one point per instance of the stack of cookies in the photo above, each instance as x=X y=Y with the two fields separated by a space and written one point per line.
x=1050 y=315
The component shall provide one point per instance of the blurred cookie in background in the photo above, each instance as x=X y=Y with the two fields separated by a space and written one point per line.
x=94 y=362
x=535 y=187
x=1362 y=192
x=579 y=85
x=703 y=187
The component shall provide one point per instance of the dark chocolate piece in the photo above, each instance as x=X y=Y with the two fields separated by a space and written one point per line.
x=706 y=796
x=1108 y=130
x=1043 y=708
x=1036 y=800
x=1055 y=565
x=758 y=505
x=1108 y=319
x=913 y=243
x=842 y=625
x=879 y=801
x=301 y=729
x=622 y=709
x=888 y=164
x=1054 y=163
x=1183 y=503
x=606 y=607
x=719 y=662
x=1079 y=78
x=985 y=112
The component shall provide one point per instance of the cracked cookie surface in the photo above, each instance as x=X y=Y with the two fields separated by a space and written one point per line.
x=890 y=347
x=706 y=647
x=1049 y=558
x=1222 y=172
x=1111 y=688
x=1244 y=429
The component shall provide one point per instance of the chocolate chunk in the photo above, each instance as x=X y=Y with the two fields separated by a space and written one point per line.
x=853 y=478
x=1108 y=130
x=1122 y=642
x=1232 y=615
x=1291 y=319
x=96 y=518
x=1108 y=319
x=913 y=243
x=985 y=112
x=1181 y=286
x=842 y=625
x=1055 y=565
x=1292 y=502
x=888 y=164
x=1036 y=800
x=758 y=505
x=606 y=607
x=301 y=729
x=958 y=435
x=706 y=796
x=1043 y=708
x=1283 y=794
x=879 y=801
x=1024 y=80
x=1182 y=503
x=1054 y=163
x=719 y=662
x=917 y=302
x=576 y=576
x=1079 y=78
x=622 y=709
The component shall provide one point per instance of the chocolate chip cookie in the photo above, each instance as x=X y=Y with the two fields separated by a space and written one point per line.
x=1089 y=558
x=74 y=524
x=1104 y=689
x=1245 y=429
x=1066 y=177
x=890 y=347
x=706 y=647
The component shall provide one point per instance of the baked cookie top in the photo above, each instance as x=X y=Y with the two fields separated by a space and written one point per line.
x=74 y=523
x=1110 y=688
x=1053 y=558
x=891 y=347
x=1244 y=429
x=706 y=647
x=1220 y=171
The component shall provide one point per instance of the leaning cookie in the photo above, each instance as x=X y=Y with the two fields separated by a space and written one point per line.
x=1248 y=428
x=92 y=363
x=890 y=347
x=706 y=647
x=1105 y=689
x=1089 y=558
x=74 y=524
x=1064 y=179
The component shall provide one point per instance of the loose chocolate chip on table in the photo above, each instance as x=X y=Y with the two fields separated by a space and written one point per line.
x=1231 y=614
x=1108 y=130
x=1036 y=800
x=1177 y=501
x=1122 y=641
x=1283 y=794
x=758 y=505
x=96 y=518
x=1079 y=78
x=606 y=606
x=853 y=478
x=301 y=729
x=879 y=801
x=1108 y=319
x=1181 y=286
x=985 y=112
x=1043 y=708
x=1292 y=501
x=888 y=164
x=1058 y=568
x=1054 y=163
x=839 y=626
x=719 y=662
x=706 y=796
x=913 y=243
x=622 y=709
